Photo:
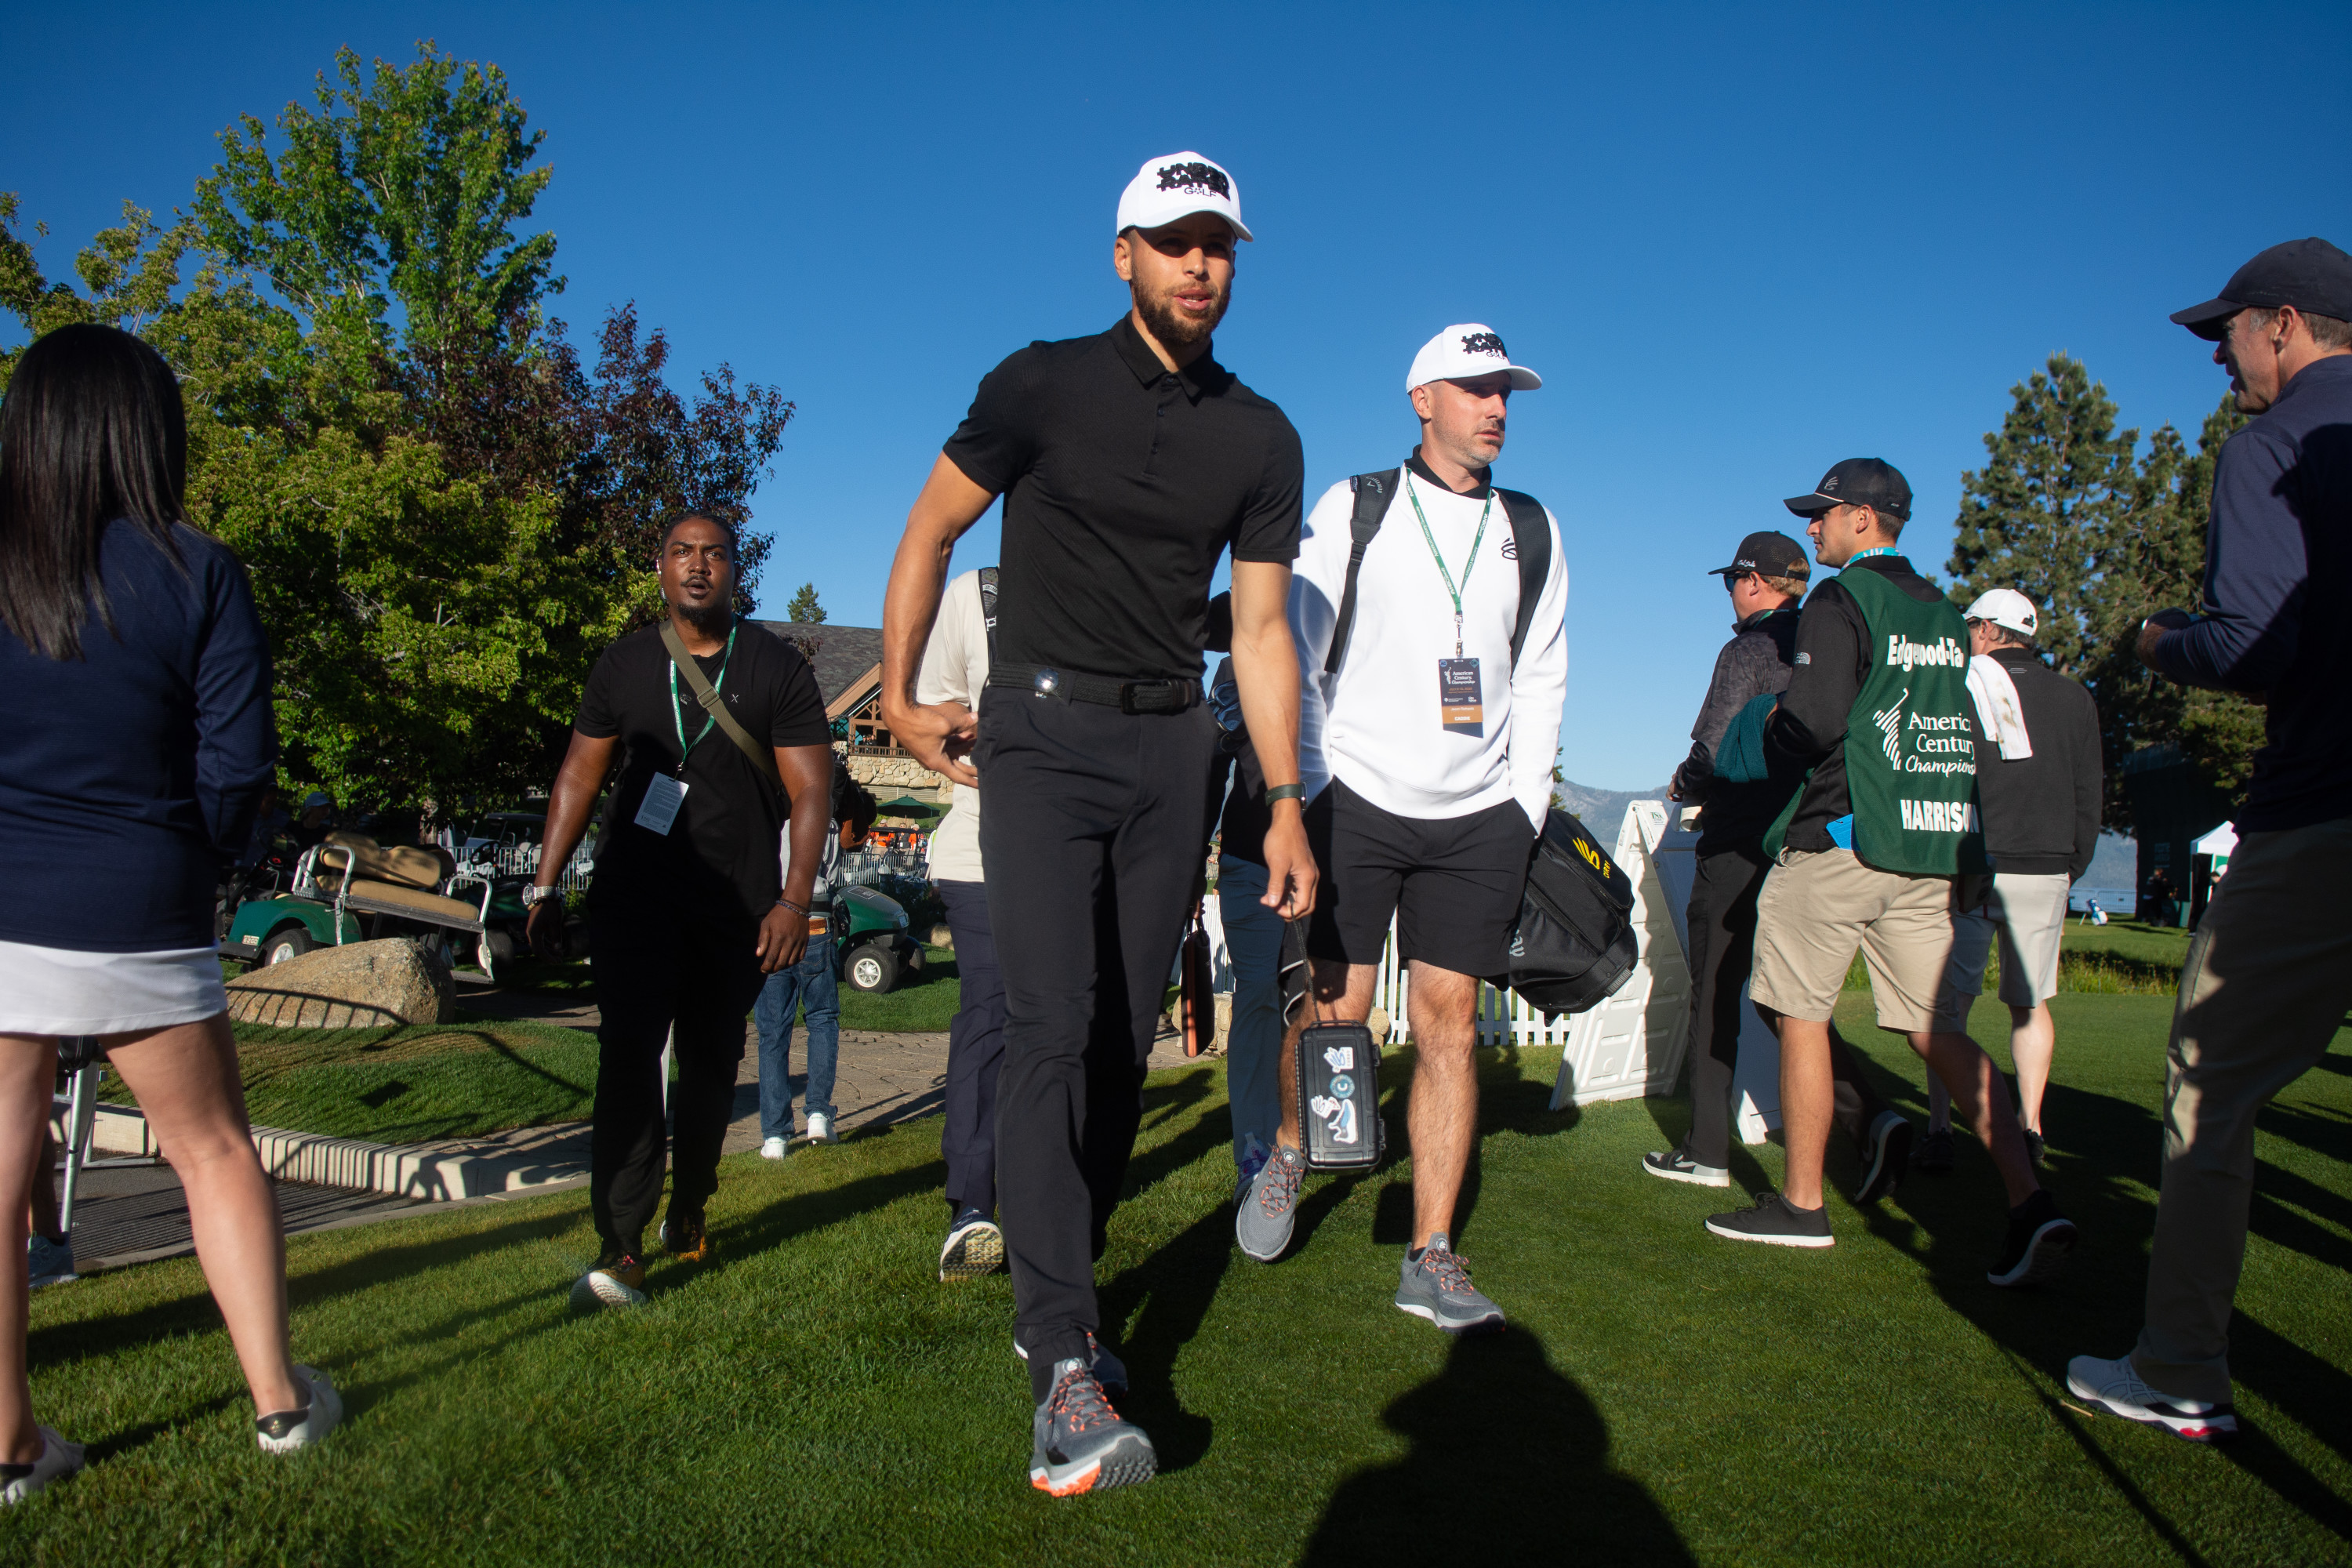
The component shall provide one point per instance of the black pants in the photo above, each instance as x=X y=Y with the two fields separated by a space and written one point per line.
x=1093 y=835
x=690 y=984
x=975 y=1052
x=1722 y=922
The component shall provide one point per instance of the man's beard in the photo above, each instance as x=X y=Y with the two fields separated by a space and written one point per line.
x=1172 y=327
x=710 y=619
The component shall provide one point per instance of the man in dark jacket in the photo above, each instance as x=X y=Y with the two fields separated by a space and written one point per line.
x=1766 y=579
x=2038 y=778
x=2277 y=548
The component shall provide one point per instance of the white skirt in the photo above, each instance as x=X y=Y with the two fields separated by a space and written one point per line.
x=59 y=991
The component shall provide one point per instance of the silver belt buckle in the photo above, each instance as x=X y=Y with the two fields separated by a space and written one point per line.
x=1047 y=681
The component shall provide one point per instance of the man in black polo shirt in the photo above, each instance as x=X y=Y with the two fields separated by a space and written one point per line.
x=1129 y=462
x=689 y=909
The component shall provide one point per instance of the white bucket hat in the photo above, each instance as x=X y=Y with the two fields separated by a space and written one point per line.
x=1465 y=349
x=1178 y=185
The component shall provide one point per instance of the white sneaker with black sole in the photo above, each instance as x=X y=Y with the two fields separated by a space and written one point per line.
x=1776 y=1222
x=2116 y=1387
x=1675 y=1165
x=819 y=1130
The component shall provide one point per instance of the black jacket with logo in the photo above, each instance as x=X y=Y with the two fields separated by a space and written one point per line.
x=2042 y=812
x=1753 y=663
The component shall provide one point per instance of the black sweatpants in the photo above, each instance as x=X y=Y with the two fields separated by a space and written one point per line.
x=1095 y=828
x=654 y=978
x=1722 y=923
x=975 y=1052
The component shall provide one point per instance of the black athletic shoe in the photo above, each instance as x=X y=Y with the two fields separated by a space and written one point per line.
x=1883 y=1162
x=974 y=1247
x=1935 y=1154
x=1677 y=1165
x=2035 y=1149
x=1776 y=1222
x=2039 y=1241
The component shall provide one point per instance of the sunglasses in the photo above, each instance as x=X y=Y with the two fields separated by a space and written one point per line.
x=1731 y=580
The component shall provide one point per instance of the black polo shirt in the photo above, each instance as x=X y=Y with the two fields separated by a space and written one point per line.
x=1123 y=482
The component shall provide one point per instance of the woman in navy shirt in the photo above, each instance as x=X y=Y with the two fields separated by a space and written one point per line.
x=134 y=700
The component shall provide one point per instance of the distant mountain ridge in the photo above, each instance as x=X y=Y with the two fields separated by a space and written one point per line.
x=1603 y=810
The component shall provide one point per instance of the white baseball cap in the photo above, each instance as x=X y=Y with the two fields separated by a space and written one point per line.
x=2006 y=607
x=1177 y=185
x=1462 y=351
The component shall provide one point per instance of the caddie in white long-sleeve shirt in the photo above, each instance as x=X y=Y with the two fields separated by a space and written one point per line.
x=1425 y=747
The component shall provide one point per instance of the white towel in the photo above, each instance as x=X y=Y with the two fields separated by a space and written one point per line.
x=2001 y=717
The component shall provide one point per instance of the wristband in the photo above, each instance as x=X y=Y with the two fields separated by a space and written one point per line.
x=1286 y=791
x=799 y=910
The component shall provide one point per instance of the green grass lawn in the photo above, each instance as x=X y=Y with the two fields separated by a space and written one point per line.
x=412 y=1083
x=924 y=999
x=1661 y=1398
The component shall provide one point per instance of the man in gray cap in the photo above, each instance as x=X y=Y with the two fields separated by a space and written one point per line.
x=2280 y=533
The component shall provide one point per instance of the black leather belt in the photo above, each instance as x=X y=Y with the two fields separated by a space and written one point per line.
x=1076 y=686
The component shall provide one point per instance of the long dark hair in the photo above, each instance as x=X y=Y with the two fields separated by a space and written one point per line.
x=90 y=430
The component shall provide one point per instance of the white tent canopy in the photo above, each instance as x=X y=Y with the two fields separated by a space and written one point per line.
x=2221 y=841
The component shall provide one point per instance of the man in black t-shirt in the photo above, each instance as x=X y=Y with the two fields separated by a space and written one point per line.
x=1128 y=463
x=689 y=909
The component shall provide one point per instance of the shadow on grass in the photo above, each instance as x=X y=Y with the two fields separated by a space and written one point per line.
x=1509 y=1462
x=1173 y=1288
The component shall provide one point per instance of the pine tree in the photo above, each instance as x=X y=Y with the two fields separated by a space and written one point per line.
x=2058 y=483
x=804 y=610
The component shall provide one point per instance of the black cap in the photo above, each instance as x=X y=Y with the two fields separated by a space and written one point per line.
x=2311 y=274
x=1858 y=482
x=1771 y=554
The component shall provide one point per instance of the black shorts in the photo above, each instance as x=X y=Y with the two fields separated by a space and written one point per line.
x=1453 y=883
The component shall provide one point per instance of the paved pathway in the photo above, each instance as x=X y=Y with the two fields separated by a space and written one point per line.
x=131 y=1215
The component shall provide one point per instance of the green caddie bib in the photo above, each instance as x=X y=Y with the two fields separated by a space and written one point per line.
x=1910 y=740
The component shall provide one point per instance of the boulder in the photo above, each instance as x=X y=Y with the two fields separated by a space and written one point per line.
x=360 y=986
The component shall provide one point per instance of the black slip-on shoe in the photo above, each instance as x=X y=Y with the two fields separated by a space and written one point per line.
x=1776 y=1222
x=1883 y=1165
x=2039 y=1241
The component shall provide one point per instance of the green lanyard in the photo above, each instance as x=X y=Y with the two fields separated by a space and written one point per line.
x=685 y=746
x=1469 y=566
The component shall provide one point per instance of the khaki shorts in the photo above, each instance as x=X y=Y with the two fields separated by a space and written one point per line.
x=2028 y=912
x=1819 y=906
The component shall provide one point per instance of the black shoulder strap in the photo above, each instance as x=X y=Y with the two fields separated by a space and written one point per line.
x=988 y=608
x=1374 y=493
x=1531 y=542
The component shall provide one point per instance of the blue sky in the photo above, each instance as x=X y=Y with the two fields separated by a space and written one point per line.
x=1739 y=243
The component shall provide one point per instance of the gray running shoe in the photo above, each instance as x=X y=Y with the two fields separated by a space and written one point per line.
x=1262 y=1223
x=1109 y=1370
x=1077 y=1442
x=1436 y=1285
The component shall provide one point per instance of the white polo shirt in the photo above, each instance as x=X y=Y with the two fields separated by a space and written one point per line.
x=955 y=670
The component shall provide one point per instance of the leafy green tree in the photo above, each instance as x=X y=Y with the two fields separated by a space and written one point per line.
x=2156 y=560
x=444 y=513
x=2058 y=481
x=804 y=610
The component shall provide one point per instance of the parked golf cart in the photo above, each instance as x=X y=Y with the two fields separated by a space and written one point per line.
x=869 y=931
x=351 y=888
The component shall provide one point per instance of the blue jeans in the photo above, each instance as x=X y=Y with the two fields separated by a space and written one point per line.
x=1254 y=1046
x=812 y=983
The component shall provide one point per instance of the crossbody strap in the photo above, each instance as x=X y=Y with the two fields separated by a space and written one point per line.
x=762 y=758
x=1531 y=542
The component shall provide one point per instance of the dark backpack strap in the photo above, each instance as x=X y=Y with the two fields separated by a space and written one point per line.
x=1374 y=493
x=1531 y=542
x=988 y=608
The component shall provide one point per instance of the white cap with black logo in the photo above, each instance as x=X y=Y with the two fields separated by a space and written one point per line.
x=2006 y=607
x=1178 y=185
x=1465 y=351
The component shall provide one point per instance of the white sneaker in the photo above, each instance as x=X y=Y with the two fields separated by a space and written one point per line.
x=58 y=1459
x=771 y=1149
x=288 y=1429
x=2115 y=1386
x=820 y=1128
